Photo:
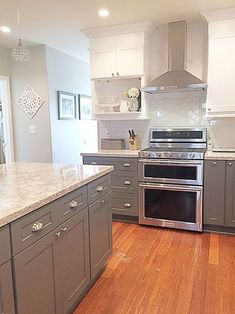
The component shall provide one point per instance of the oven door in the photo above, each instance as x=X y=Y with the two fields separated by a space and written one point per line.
x=171 y=171
x=173 y=206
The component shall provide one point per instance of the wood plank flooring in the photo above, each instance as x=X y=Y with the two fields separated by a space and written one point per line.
x=155 y=270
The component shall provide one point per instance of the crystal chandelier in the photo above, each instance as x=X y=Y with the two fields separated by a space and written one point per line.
x=20 y=53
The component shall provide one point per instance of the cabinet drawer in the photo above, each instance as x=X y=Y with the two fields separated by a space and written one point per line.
x=125 y=204
x=119 y=163
x=98 y=188
x=70 y=204
x=123 y=181
x=30 y=228
x=5 y=251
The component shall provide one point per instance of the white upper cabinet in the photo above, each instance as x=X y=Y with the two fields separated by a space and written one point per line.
x=221 y=65
x=117 y=56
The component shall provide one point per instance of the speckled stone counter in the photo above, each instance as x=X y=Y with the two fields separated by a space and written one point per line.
x=25 y=187
x=220 y=155
x=113 y=153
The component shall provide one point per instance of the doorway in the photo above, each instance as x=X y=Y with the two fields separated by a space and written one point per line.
x=6 y=132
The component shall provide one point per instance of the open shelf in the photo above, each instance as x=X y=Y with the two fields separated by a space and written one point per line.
x=135 y=115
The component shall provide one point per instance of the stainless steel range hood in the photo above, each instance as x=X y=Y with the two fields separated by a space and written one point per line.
x=177 y=77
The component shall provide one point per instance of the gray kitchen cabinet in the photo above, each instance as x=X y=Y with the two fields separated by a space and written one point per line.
x=214 y=192
x=100 y=220
x=34 y=277
x=6 y=289
x=123 y=203
x=51 y=274
x=230 y=194
x=72 y=262
x=5 y=249
x=124 y=184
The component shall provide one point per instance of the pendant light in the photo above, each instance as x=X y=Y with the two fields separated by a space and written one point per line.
x=20 y=53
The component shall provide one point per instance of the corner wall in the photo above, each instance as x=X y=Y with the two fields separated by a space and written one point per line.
x=31 y=147
x=69 y=137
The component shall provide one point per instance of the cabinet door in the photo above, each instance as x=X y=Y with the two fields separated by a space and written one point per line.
x=103 y=63
x=72 y=265
x=129 y=61
x=221 y=71
x=34 y=278
x=214 y=192
x=6 y=289
x=100 y=219
x=230 y=194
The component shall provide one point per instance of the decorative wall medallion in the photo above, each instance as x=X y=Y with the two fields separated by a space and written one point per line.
x=30 y=101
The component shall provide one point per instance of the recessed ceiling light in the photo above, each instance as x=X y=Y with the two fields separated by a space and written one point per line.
x=5 y=29
x=103 y=12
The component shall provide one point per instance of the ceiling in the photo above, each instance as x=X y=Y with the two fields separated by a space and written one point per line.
x=57 y=23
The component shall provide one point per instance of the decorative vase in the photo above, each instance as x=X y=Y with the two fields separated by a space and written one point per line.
x=133 y=104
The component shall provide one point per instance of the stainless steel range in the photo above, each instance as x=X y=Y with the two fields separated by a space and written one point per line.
x=171 y=178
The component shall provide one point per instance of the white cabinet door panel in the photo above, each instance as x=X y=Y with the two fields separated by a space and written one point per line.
x=129 y=61
x=103 y=63
x=221 y=86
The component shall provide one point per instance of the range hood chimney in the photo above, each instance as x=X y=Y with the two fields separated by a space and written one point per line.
x=177 y=77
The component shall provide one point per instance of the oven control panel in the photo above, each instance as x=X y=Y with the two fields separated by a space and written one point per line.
x=171 y=155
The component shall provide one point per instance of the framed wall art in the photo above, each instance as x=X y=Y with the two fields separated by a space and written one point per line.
x=85 y=107
x=66 y=106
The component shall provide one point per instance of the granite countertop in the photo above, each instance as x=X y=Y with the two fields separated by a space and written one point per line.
x=220 y=155
x=25 y=187
x=113 y=153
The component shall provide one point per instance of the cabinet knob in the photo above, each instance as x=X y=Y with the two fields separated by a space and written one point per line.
x=58 y=234
x=102 y=202
x=37 y=226
x=214 y=163
x=73 y=204
x=126 y=164
x=112 y=74
x=230 y=163
x=127 y=182
x=128 y=205
x=99 y=188
x=209 y=109
x=93 y=163
x=117 y=73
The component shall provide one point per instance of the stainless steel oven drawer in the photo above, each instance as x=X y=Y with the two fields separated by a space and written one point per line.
x=171 y=171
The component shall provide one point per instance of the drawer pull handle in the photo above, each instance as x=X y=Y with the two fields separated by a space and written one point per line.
x=127 y=182
x=93 y=163
x=230 y=164
x=99 y=188
x=37 y=226
x=73 y=204
x=214 y=163
x=126 y=164
x=127 y=205
x=58 y=234
x=64 y=229
x=102 y=202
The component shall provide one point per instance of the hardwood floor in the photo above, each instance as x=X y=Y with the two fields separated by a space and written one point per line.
x=155 y=270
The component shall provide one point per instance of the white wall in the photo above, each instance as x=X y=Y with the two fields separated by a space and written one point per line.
x=69 y=137
x=4 y=61
x=31 y=147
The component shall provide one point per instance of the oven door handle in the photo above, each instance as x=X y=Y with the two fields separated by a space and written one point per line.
x=169 y=187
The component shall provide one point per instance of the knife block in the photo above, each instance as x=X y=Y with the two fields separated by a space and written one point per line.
x=134 y=143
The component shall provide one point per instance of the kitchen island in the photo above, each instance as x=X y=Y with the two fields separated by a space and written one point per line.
x=55 y=234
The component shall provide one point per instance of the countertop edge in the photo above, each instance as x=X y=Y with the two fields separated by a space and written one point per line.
x=27 y=210
x=114 y=153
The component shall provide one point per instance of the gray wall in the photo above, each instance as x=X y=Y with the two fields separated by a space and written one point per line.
x=31 y=147
x=4 y=61
x=69 y=137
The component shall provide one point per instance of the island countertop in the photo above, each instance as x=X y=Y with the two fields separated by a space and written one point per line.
x=25 y=187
